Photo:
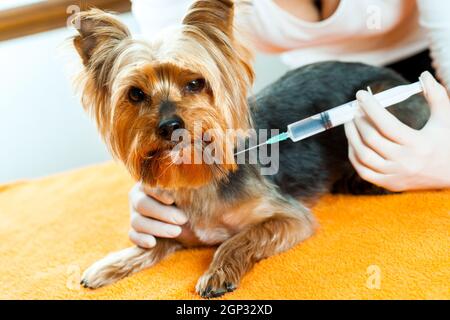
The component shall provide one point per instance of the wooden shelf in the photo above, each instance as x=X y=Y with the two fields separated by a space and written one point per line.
x=47 y=15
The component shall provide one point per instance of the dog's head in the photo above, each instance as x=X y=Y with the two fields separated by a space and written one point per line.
x=140 y=92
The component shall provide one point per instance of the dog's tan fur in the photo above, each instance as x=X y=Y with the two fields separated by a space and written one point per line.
x=258 y=223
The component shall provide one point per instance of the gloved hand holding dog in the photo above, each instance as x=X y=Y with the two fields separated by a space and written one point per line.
x=153 y=215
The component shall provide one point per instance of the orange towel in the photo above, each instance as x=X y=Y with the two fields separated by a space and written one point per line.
x=393 y=247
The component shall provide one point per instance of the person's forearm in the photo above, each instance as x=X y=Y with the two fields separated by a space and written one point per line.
x=435 y=18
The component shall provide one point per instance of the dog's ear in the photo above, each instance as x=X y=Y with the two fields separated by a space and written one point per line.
x=99 y=32
x=209 y=15
x=211 y=23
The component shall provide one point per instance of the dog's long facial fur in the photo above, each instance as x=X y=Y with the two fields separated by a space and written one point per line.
x=199 y=71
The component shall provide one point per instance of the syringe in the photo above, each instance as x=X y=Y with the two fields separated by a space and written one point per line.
x=340 y=115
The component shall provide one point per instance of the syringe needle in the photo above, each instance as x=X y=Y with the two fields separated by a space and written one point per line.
x=250 y=149
x=278 y=138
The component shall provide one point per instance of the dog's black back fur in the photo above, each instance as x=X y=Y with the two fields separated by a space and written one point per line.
x=320 y=164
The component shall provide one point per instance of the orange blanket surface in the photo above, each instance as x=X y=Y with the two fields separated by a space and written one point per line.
x=51 y=229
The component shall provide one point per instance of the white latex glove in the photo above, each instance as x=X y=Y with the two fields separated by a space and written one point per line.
x=153 y=215
x=391 y=155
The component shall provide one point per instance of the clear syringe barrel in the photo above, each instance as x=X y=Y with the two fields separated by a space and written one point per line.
x=347 y=112
x=307 y=128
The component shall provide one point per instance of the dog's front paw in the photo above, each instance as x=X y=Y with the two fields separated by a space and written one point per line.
x=100 y=274
x=112 y=268
x=214 y=284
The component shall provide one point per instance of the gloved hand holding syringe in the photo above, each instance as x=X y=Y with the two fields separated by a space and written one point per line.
x=340 y=115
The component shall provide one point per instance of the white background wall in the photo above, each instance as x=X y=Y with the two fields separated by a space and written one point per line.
x=43 y=129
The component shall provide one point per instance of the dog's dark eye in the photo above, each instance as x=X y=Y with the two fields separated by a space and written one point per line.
x=195 y=86
x=136 y=95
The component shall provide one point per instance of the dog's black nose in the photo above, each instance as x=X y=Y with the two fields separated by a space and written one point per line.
x=168 y=126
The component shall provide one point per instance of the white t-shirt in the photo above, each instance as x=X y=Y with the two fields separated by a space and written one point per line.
x=371 y=31
x=377 y=32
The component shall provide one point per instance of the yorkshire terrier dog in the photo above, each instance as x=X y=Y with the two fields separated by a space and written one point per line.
x=140 y=92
